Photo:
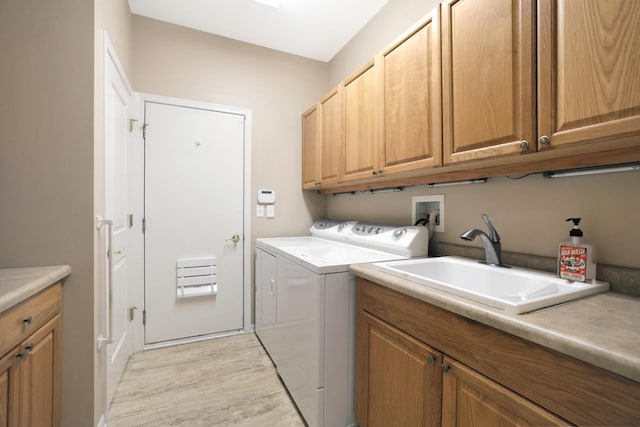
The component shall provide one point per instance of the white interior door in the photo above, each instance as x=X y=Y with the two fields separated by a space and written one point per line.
x=194 y=192
x=117 y=103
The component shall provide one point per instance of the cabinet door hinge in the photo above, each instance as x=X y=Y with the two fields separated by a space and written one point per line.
x=144 y=225
x=144 y=317
x=144 y=131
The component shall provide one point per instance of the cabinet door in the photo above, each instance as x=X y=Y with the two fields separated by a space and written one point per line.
x=9 y=389
x=471 y=399
x=39 y=377
x=311 y=155
x=487 y=74
x=588 y=64
x=361 y=125
x=331 y=116
x=398 y=379
x=412 y=99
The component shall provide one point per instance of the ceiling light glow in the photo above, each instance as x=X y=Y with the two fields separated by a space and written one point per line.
x=272 y=3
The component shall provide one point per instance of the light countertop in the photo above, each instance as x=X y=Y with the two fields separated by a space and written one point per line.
x=18 y=284
x=603 y=329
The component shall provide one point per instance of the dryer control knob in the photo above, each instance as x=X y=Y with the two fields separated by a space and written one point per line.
x=398 y=233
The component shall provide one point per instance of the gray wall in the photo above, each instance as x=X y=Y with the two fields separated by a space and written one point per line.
x=277 y=87
x=46 y=168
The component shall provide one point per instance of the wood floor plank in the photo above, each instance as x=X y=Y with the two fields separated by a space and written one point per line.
x=228 y=381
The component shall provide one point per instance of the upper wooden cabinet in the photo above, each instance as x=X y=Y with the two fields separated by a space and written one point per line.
x=331 y=137
x=392 y=108
x=361 y=124
x=455 y=98
x=311 y=155
x=487 y=75
x=586 y=65
x=322 y=142
x=588 y=71
x=411 y=99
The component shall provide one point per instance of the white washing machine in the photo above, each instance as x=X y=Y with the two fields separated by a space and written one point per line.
x=305 y=308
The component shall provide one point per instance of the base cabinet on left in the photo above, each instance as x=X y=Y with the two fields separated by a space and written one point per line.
x=9 y=389
x=30 y=369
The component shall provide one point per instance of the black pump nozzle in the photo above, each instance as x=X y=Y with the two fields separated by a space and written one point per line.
x=576 y=221
x=575 y=231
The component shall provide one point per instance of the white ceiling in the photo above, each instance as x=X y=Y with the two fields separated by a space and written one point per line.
x=315 y=29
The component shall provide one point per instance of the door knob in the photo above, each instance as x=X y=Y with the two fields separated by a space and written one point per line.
x=235 y=239
x=118 y=251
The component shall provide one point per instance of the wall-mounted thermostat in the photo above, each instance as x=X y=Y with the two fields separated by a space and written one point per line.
x=266 y=196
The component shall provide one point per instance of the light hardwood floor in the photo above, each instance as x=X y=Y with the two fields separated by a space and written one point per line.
x=223 y=382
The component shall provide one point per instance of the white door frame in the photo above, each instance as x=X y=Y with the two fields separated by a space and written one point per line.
x=246 y=112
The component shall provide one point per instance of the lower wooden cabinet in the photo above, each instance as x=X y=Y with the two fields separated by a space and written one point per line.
x=404 y=382
x=398 y=376
x=9 y=389
x=471 y=399
x=420 y=365
x=30 y=370
x=39 y=378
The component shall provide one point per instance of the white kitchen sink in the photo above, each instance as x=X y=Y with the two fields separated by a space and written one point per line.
x=514 y=290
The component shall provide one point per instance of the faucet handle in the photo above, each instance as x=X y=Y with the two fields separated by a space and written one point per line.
x=495 y=237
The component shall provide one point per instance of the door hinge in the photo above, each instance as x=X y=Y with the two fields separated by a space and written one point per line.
x=144 y=225
x=130 y=220
x=144 y=131
x=144 y=317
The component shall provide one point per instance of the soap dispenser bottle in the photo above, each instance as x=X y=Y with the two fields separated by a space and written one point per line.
x=576 y=257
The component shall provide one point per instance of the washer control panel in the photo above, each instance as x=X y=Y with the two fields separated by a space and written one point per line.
x=409 y=241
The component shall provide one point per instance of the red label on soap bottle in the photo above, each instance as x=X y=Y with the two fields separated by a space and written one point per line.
x=573 y=263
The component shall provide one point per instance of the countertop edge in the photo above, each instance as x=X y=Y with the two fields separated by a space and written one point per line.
x=626 y=366
x=19 y=284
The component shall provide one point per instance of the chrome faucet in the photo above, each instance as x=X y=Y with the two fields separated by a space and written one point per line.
x=491 y=244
